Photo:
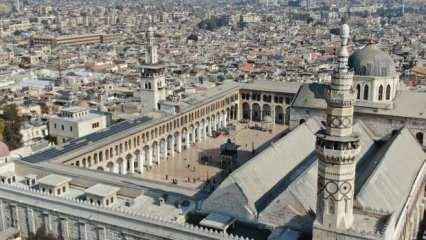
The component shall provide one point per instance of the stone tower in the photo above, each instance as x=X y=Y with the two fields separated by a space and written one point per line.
x=337 y=148
x=153 y=80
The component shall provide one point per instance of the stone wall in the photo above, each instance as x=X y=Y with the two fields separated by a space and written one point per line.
x=28 y=209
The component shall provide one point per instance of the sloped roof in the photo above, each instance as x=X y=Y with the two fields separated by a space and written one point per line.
x=278 y=186
x=263 y=175
x=399 y=162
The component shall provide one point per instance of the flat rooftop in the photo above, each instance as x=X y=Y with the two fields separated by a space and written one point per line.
x=102 y=190
x=54 y=180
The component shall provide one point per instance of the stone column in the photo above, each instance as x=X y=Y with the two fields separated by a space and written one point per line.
x=225 y=121
x=65 y=230
x=157 y=157
x=149 y=156
x=165 y=148
x=193 y=136
x=2 y=217
x=115 y=168
x=188 y=146
x=273 y=114
x=179 y=143
x=172 y=146
x=31 y=222
x=210 y=128
x=132 y=165
x=141 y=161
x=124 y=167
x=101 y=232
x=204 y=132
x=214 y=124
x=198 y=131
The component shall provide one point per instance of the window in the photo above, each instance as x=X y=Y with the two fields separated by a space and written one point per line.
x=388 y=92
x=95 y=125
x=380 y=97
x=70 y=128
x=366 y=92
x=358 y=91
x=58 y=191
x=62 y=127
x=55 y=125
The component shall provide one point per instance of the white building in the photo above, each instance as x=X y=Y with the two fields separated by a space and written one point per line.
x=75 y=122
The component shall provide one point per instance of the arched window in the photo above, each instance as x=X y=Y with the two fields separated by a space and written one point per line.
x=380 y=93
x=366 y=92
x=388 y=92
x=358 y=91
x=419 y=137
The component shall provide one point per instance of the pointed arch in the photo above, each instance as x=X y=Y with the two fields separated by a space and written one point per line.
x=366 y=92
x=388 y=92
x=380 y=96
x=358 y=91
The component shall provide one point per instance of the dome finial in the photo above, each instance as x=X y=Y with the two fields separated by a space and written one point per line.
x=344 y=33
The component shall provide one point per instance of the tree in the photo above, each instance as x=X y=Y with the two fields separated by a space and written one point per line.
x=11 y=135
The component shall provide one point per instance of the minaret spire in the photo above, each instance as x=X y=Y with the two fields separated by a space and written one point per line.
x=337 y=148
x=151 y=56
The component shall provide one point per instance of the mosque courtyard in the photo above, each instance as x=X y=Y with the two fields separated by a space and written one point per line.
x=193 y=167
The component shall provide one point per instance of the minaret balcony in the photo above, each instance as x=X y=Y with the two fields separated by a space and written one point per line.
x=337 y=156
x=335 y=98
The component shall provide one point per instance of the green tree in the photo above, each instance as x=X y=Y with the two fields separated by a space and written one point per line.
x=11 y=134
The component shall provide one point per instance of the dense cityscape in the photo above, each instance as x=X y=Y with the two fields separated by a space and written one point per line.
x=212 y=119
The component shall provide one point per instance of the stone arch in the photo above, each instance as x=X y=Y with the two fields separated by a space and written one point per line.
x=302 y=121
x=256 y=112
x=100 y=169
x=163 y=146
x=129 y=157
x=420 y=137
x=246 y=110
x=358 y=91
x=380 y=93
x=388 y=92
x=121 y=164
x=110 y=166
x=366 y=92
x=137 y=154
x=266 y=110
x=279 y=115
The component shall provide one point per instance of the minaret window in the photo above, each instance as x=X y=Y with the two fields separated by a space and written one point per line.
x=380 y=97
x=388 y=92
x=366 y=92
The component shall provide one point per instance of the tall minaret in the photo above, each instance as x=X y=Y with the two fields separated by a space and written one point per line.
x=153 y=81
x=337 y=148
x=151 y=56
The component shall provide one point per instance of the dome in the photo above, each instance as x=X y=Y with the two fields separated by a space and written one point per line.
x=371 y=61
x=4 y=149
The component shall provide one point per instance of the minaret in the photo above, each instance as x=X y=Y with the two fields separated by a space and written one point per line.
x=153 y=80
x=337 y=148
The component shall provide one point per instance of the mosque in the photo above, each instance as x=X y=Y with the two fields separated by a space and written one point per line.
x=336 y=175
x=343 y=181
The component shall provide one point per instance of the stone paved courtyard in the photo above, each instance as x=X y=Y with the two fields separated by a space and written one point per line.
x=188 y=169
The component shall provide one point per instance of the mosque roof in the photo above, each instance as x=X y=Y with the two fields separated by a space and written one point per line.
x=278 y=186
x=371 y=61
x=407 y=104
